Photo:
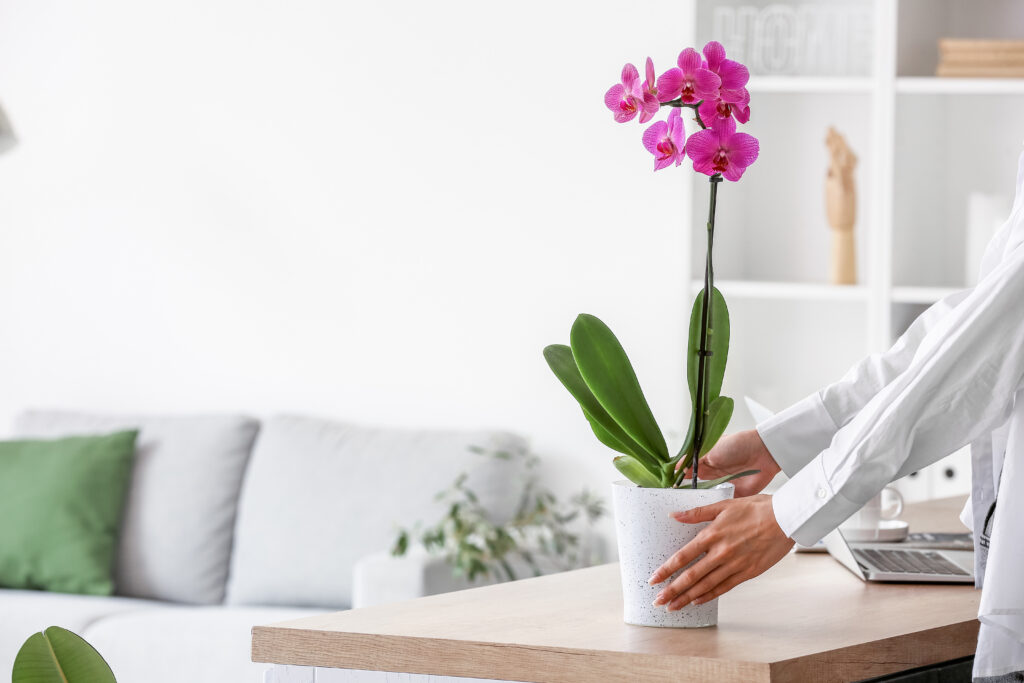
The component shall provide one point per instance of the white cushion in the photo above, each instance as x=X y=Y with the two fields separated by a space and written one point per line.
x=179 y=518
x=320 y=495
x=176 y=644
x=23 y=613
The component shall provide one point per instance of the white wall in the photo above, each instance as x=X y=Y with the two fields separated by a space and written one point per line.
x=379 y=211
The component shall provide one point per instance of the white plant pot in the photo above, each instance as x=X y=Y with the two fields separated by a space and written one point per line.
x=648 y=536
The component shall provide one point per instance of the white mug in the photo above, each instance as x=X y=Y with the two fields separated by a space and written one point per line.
x=876 y=510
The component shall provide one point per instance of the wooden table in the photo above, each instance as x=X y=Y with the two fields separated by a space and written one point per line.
x=806 y=619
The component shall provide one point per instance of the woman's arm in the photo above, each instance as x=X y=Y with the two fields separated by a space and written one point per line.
x=958 y=384
x=802 y=431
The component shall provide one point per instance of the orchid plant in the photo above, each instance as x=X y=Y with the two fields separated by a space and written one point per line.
x=594 y=367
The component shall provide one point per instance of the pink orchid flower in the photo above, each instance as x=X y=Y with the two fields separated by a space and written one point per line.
x=720 y=149
x=691 y=80
x=665 y=140
x=627 y=99
x=734 y=76
x=712 y=110
x=650 y=93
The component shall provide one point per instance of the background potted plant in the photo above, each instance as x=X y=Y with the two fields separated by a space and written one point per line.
x=594 y=367
x=543 y=535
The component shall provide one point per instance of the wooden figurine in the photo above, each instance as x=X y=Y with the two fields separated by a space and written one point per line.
x=841 y=208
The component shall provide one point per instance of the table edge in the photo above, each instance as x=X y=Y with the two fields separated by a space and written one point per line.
x=546 y=664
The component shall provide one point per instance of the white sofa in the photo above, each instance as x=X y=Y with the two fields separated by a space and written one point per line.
x=231 y=522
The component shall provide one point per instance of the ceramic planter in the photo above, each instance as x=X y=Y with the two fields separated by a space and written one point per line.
x=647 y=537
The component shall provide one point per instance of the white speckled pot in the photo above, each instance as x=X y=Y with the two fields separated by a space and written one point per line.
x=647 y=537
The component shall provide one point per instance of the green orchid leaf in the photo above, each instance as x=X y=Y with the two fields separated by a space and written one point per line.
x=718 y=344
x=719 y=415
x=561 y=361
x=607 y=371
x=712 y=483
x=668 y=472
x=59 y=656
x=688 y=441
x=604 y=436
x=636 y=472
x=635 y=452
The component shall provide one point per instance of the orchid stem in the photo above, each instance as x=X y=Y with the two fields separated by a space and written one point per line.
x=701 y=403
x=678 y=103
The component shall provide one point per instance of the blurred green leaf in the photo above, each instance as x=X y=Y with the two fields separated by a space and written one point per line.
x=401 y=545
x=57 y=655
x=476 y=545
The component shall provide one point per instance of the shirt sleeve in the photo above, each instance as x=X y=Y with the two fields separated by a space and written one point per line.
x=796 y=435
x=958 y=384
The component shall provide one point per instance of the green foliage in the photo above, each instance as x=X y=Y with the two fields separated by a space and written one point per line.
x=718 y=418
x=561 y=361
x=607 y=371
x=636 y=472
x=597 y=373
x=57 y=655
x=712 y=483
x=718 y=344
x=542 y=527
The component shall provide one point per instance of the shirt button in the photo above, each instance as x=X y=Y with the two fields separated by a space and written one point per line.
x=821 y=493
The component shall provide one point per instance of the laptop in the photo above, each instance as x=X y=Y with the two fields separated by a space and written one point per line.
x=889 y=561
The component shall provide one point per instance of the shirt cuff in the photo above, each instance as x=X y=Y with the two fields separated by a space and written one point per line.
x=798 y=433
x=807 y=508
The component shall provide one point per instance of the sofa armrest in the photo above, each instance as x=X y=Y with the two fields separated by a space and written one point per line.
x=382 y=578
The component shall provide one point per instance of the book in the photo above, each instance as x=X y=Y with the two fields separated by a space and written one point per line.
x=979 y=71
x=960 y=46
x=973 y=58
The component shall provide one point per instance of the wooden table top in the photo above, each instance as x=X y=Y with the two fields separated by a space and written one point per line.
x=806 y=619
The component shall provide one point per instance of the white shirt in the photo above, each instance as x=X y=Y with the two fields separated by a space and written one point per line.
x=950 y=380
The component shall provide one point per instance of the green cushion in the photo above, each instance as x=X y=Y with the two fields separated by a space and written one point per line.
x=60 y=511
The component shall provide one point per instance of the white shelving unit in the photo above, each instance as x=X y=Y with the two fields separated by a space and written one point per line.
x=959 y=86
x=809 y=84
x=923 y=143
x=921 y=295
x=791 y=291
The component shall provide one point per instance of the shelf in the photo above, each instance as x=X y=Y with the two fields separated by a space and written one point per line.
x=808 y=84
x=792 y=291
x=960 y=86
x=921 y=295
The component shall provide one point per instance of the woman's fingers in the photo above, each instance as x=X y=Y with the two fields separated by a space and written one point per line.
x=695 y=548
x=706 y=585
x=723 y=587
x=682 y=557
x=693 y=575
x=743 y=540
x=704 y=513
x=708 y=471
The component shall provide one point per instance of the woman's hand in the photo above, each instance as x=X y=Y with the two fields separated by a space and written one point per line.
x=742 y=541
x=736 y=453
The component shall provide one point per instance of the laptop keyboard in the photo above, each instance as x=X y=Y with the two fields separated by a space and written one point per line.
x=909 y=562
